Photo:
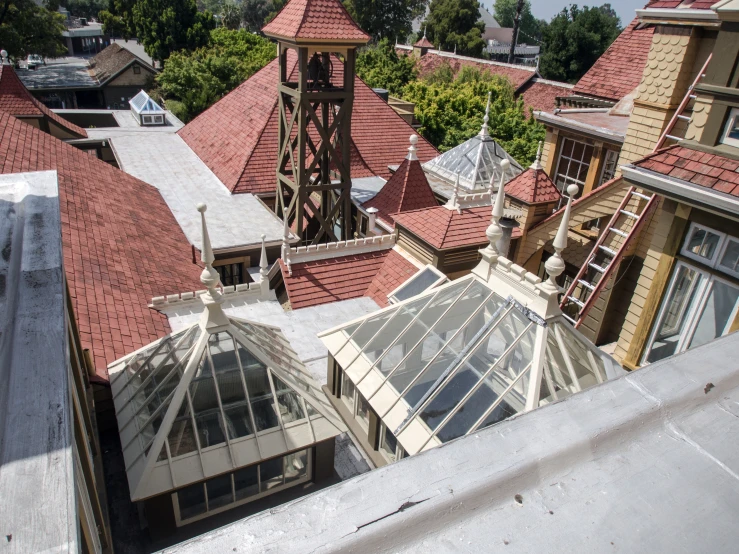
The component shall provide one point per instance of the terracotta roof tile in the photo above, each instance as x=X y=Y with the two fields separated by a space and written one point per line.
x=443 y=228
x=16 y=100
x=372 y=274
x=306 y=20
x=671 y=4
x=237 y=136
x=122 y=246
x=542 y=95
x=408 y=189
x=424 y=43
x=533 y=186
x=619 y=70
x=699 y=168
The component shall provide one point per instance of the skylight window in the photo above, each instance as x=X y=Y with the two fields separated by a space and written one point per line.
x=426 y=278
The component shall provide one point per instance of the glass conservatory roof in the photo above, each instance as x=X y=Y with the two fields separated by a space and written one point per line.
x=477 y=161
x=143 y=104
x=461 y=357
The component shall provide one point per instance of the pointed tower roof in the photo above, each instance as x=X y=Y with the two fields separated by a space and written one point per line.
x=475 y=161
x=533 y=186
x=224 y=393
x=306 y=21
x=17 y=101
x=423 y=42
x=408 y=189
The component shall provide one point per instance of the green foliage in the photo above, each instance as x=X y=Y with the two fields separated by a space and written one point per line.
x=530 y=27
x=26 y=28
x=392 y=19
x=277 y=5
x=84 y=8
x=455 y=23
x=117 y=20
x=574 y=39
x=231 y=15
x=380 y=67
x=451 y=113
x=197 y=79
x=165 y=26
x=254 y=13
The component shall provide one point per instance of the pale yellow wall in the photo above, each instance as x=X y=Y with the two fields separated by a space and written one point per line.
x=129 y=79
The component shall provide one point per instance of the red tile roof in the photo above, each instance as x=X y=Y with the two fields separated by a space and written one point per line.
x=408 y=189
x=16 y=100
x=541 y=95
x=315 y=20
x=122 y=246
x=237 y=136
x=428 y=63
x=443 y=228
x=699 y=168
x=423 y=43
x=619 y=70
x=372 y=274
x=694 y=5
x=533 y=186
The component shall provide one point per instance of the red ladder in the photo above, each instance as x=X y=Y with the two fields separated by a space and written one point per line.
x=602 y=261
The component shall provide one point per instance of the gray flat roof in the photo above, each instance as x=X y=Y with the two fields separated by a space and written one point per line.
x=165 y=161
x=38 y=510
x=66 y=72
x=648 y=462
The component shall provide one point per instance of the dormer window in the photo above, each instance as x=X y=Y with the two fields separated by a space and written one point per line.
x=731 y=132
x=136 y=69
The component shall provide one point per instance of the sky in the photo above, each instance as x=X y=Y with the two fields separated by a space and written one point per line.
x=545 y=9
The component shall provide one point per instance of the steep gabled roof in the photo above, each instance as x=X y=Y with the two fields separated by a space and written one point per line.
x=619 y=70
x=518 y=75
x=372 y=274
x=408 y=189
x=120 y=242
x=533 y=186
x=237 y=136
x=17 y=101
x=113 y=59
x=541 y=94
x=315 y=20
x=423 y=43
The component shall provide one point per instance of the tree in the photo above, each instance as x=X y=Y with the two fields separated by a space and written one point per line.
x=455 y=23
x=231 y=16
x=117 y=20
x=84 y=8
x=529 y=27
x=277 y=5
x=254 y=13
x=392 y=19
x=26 y=28
x=574 y=39
x=165 y=26
x=380 y=66
x=197 y=79
x=451 y=113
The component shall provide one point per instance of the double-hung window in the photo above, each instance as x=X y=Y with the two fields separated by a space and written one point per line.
x=574 y=163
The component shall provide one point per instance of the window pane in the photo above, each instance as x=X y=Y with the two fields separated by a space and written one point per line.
x=205 y=406
x=677 y=308
x=264 y=414
x=191 y=501
x=271 y=473
x=289 y=406
x=501 y=412
x=417 y=284
x=246 y=482
x=717 y=313
x=388 y=443
x=296 y=466
x=363 y=411
x=730 y=259
x=238 y=421
x=210 y=430
x=219 y=491
x=182 y=437
x=221 y=346
x=347 y=392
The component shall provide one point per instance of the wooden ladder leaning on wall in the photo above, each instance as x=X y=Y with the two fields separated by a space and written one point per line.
x=602 y=261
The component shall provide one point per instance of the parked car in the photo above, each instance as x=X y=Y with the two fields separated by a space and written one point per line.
x=33 y=61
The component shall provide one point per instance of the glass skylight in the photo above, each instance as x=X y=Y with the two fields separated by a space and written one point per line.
x=143 y=104
x=426 y=278
x=459 y=358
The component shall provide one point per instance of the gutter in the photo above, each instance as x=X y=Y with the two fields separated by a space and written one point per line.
x=665 y=15
x=590 y=130
x=680 y=190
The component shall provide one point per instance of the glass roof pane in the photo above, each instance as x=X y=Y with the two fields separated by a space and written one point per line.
x=371 y=326
x=555 y=364
x=446 y=340
x=260 y=392
x=287 y=402
x=502 y=411
x=417 y=284
x=580 y=355
x=181 y=436
x=205 y=406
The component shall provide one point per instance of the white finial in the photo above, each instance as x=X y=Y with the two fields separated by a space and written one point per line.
x=484 y=129
x=455 y=195
x=455 y=49
x=4 y=56
x=424 y=32
x=555 y=265
x=286 y=242
x=537 y=162
x=213 y=316
x=495 y=231
x=263 y=259
x=412 y=148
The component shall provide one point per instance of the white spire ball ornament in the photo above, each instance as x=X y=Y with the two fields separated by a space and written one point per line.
x=455 y=196
x=412 y=148
x=494 y=232
x=213 y=315
x=537 y=161
x=555 y=265
x=286 y=242
x=4 y=56
x=484 y=128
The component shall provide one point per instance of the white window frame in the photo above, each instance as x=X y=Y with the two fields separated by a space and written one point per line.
x=615 y=154
x=725 y=138
x=570 y=160
x=704 y=288
x=727 y=241
x=398 y=448
x=158 y=119
x=146 y=120
x=441 y=279
x=719 y=247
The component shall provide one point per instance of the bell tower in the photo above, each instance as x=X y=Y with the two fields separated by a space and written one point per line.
x=317 y=43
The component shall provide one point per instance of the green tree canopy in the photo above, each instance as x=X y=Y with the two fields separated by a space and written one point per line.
x=165 y=26
x=26 y=28
x=452 y=112
x=392 y=19
x=117 y=20
x=574 y=39
x=254 y=13
x=84 y=8
x=380 y=66
x=530 y=27
x=231 y=15
x=455 y=23
x=197 y=79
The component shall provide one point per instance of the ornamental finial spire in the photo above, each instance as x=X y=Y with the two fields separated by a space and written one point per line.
x=212 y=299
x=555 y=265
x=424 y=32
x=4 y=56
x=263 y=259
x=495 y=231
x=537 y=161
x=286 y=242
x=455 y=195
x=484 y=129
x=412 y=148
